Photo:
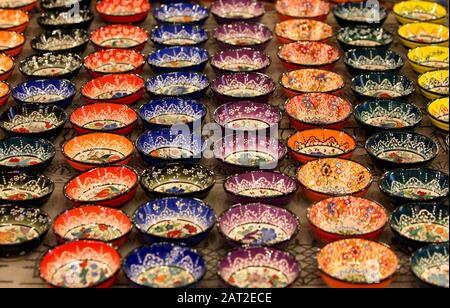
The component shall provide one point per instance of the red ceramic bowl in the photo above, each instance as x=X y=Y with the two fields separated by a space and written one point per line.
x=93 y=222
x=109 y=186
x=308 y=55
x=80 y=264
x=6 y=66
x=11 y=43
x=114 y=61
x=294 y=30
x=14 y=20
x=318 y=110
x=24 y=5
x=313 y=9
x=116 y=88
x=333 y=177
x=97 y=149
x=104 y=117
x=347 y=217
x=119 y=36
x=5 y=92
x=123 y=11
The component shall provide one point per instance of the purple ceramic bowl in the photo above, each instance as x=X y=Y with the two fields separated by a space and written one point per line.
x=243 y=34
x=240 y=60
x=269 y=187
x=255 y=87
x=259 y=267
x=227 y=11
x=258 y=224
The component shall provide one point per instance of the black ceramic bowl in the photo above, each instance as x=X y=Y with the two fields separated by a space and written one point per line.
x=366 y=60
x=382 y=85
x=65 y=40
x=49 y=65
x=63 y=5
x=360 y=13
x=430 y=266
x=364 y=37
x=65 y=20
x=22 y=229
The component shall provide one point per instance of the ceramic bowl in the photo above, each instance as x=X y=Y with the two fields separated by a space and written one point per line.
x=414 y=11
x=175 y=220
x=364 y=37
x=247 y=116
x=391 y=149
x=186 y=85
x=48 y=65
x=178 y=35
x=243 y=34
x=366 y=60
x=347 y=217
x=14 y=20
x=169 y=144
x=33 y=120
x=6 y=66
x=430 y=266
x=178 y=58
x=167 y=112
x=104 y=117
x=178 y=179
x=119 y=36
x=11 y=43
x=97 y=149
x=361 y=263
x=258 y=224
x=414 y=185
x=382 y=85
x=308 y=55
x=255 y=87
x=228 y=11
x=316 y=143
x=360 y=13
x=423 y=34
x=318 y=110
x=23 y=5
x=5 y=92
x=114 y=61
x=22 y=230
x=333 y=177
x=60 y=5
x=65 y=20
x=123 y=11
x=58 y=92
x=383 y=114
x=110 y=186
x=66 y=40
x=417 y=225
x=80 y=264
x=311 y=80
x=295 y=30
x=181 y=13
x=258 y=267
x=438 y=112
x=269 y=187
x=93 y=222
x=164 y=265
x=428 y=58
x=25 y=188
x=249 y=151
x=27 y=154
x=240 y=60
x=116 y=88
x=312 y=9
x=434 y=85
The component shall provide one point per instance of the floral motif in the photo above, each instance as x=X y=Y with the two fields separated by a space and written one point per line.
x=177 y=83
x=302 y=9
x=303 y=30
x=181 y=13
x=430 y=56
x=312 y=80
x=11 y=18
x=9 y=39
x=309 y=53
x=364 y=36
x=23 y=186
x=42 y=91
x=51 y=65
x=177 y=57
x=123 y=7
x=360 y=12
x=119 y=36
x=423 y=32
x=435 y=82
x=61 y=40
x=25 y=153
x=113 y=86
x=431 y=264
x=180 y=35
x=232 y=9
x=243 y=34
x=240 y=60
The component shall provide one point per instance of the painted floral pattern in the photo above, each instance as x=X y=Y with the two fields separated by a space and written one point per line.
x=81 y=274
x=165 y=277
x=258 y=234
x=437 y=275
x=94 y=231
x=20 y=161
x=427 y=232
x=258 y=277
x=15 y=234
x=303 y=30
x=312 y=80
x=174 y=229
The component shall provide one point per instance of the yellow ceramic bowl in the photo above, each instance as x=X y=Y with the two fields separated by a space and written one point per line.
x=423 y=34
x=434 y=84
x=438 y=112
x=428 y=58
x=414 y=11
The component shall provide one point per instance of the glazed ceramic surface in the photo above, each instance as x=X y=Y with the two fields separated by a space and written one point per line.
x=114 y=61
x=413 y=11
x=125 y=88
x=315 y=9
x=123 y=11
x=428 y=58
x=438 y=112
x=434 y=84
x=364 y=36
x=382 y=85
x=6 y=66
x=65 y=20
x=51 y=65
x=312 y=81
x=13 y=20
x=189 y=85
x=5 y=92
x=178 y=35
x=430 y=265
x=24 y=5
x=18 y=187
x=240 y=60
x=178 y=58
x=360 y=13
x=303 y=30
x=308 y=54
x=119 y=36
x=373 y=60
x=243 y=34
x=11 y=43
x=69 y=40
x=423 y=34
x=60 y=5
x=181 y=13
x=227 y=11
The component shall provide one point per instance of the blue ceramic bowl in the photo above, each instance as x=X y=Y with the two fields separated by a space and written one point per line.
x=382 y=85
x=420 y=224
x=176 y=220
x=170 y=111
x=397 y=148
x=25 y=154
x=415 y=185
x=178 y=35
x=181 y=13
x=187 y=85
x=59 y=92
x=178 y=58
x=359 y=36
x=179 y=266
x=430 y=266
x=366 y=60
x=361 y=13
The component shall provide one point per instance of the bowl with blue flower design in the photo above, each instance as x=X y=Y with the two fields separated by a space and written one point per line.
x=187 y=85
x=178 y=58
x=364 y=60
x=178 y=35
x=181 y=13
x=382 y=85
x=430 y=266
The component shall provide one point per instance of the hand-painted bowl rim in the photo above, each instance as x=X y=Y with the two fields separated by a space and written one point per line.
x=388 y=52
x=106 y=100
x=349 y=3
x=421 y=85
x=261 y=75
x=18 y=11
x=101 y=12
x=36 y=140
x=334 y=90
x=420 y=250
x=194 y=28
x=309 y=65
x=255 y=51
x=411 y=51
x=411 y=90
x=199 y=50
x=154 y=77
x=308 y=16
x=421 y=43
x=43 y=19
x=46 y=33
x=4 y=55
x=432 y=116
x=111 y=50
x=253 y=46
x=253 y=17
x=169 y=4
x=307 y=20
x=25 y=84
x=21 y=45
x=21 y=7
x=7 y=92
x=385 y=44
x=117 y=26
x=411 y=19
x=47 y=54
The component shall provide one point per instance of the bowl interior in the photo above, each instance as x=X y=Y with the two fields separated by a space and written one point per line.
x=181 y=13
x=436 y=82
x=60 y=39
x=359 y=12
x=312 y=80
x=178 y=57
x=181 y=35
x=240 y=60
x=382 y=85
x=237 y=9
x=302 y=8
x=177 y=83
x=123 y=7
x=370 y=59
x=420 y=10
x=50 y=65
x=364 y=36
x=11 y=18
x=44 y=90
x=243 y=34
x=16 y=4
x=304 y=30
x=430 y=264
x=119 y=36
x=6 y=63
x=21 y=186
x=439 y=109
x=434 y=57
x=25 y=152
x=113 y=61
x=4 y=89
x=309 y=53
x=9 y=39
x=65 y=18
x=113 y=86
x=424 y=32
x=243 y=85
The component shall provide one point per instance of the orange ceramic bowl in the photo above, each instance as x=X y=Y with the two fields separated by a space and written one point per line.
x=333 y=177
x=11 y=43
x=313 y=9
x=357 y=263
x=6 y=66
x=316 y=143
x=114 y=61
x=14 y=20
x=97 y=149
x=123 y=11
x=294 y=30
x=5 y=92
x=308 y=55
x=119 y=36
x=23 y=5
